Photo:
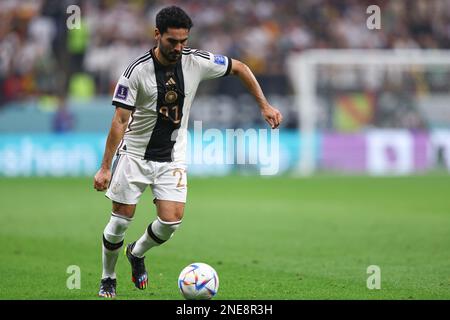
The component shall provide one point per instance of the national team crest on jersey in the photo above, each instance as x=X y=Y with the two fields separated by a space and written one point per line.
x=218 y=59
x=122 y=92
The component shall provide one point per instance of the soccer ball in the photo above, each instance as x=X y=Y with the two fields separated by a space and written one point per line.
x=198 y=281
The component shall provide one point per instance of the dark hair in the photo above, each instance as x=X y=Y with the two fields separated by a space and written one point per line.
x=172 y=17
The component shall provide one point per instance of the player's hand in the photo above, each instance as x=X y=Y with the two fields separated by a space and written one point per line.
x=102 y=179
x=272 y=116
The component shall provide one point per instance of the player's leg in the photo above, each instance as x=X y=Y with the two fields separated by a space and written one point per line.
x=170 y=197
x=170 y=193
x=124 y=195
x=170 y=215
x=113 y=235
x=159 y=231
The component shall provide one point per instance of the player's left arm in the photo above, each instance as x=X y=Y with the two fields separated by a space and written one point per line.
x=271 y=115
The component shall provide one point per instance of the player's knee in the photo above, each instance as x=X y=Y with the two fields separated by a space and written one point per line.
x=125 y=210
x=170 y=211
x=115 y=231
x=177 y=215
x=174 y=215
x=161 y=230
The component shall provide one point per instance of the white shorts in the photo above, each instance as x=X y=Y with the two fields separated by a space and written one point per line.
x=131 y=175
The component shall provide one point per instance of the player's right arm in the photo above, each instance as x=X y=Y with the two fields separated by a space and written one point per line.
x=116 y=132
x=124 y=99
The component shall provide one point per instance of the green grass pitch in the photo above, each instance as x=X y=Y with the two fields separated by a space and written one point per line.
x=268 y=238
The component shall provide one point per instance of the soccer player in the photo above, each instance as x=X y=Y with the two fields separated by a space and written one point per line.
x=148 y=133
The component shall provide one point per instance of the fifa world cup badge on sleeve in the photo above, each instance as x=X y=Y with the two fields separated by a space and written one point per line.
x=218 y=59
x=122 y=92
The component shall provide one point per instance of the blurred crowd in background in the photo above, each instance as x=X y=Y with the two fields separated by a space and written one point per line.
x=40 y=56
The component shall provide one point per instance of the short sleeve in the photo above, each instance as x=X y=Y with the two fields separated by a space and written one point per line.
x=126 y=90
x=213 y=65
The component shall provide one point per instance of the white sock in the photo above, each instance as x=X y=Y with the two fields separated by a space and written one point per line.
x=112 y=242
x=157 y=233
x=109 y=259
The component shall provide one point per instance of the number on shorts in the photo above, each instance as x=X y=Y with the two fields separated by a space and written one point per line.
x=180 y=172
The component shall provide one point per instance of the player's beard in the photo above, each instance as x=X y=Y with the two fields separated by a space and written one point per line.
x=171 y=56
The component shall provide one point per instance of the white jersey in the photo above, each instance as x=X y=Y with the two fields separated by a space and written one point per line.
x=161 y=98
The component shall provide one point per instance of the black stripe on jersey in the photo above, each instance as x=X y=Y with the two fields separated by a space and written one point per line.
x=201 y=53
x=131 y=70
x=206 y=53
x=187 y=50
x=197 y=53
x=135 y=61
x=160 y=145
x=131 y=67
x=202 y=56
x=123 y=105
x=131 y=122
x=230 y=64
